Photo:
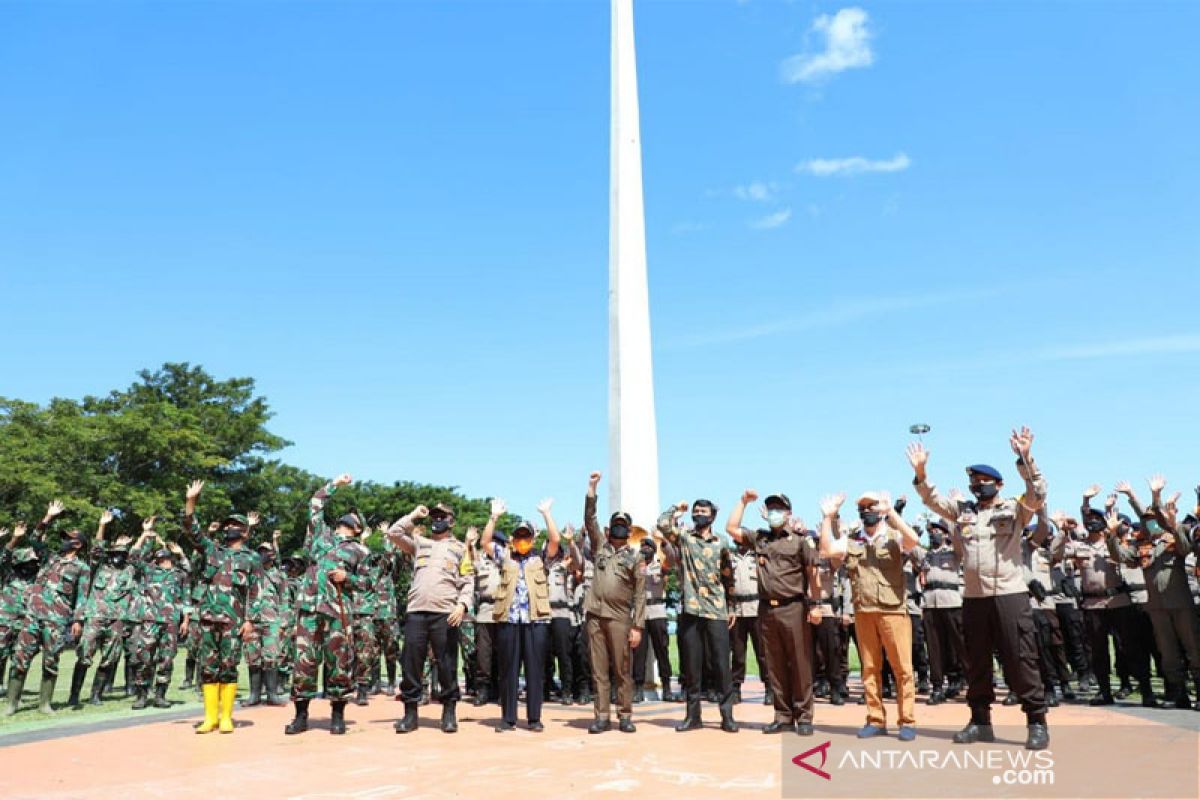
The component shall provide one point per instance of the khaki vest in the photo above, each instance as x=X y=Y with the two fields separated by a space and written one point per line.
x=535 y=581
x=877 y=574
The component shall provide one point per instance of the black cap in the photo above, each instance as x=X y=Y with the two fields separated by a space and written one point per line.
x=778 y=500
x=163 y=553
x=620 y=516
x=352 y=521
x=524 y=529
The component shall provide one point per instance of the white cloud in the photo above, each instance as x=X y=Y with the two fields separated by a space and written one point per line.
x=772 y=220
x=757 y=191
x=1160 y=345
x=855 y=165
x=847 y=46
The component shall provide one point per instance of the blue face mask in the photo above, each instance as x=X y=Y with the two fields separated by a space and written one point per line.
x=1153 y=528
x=776 y=518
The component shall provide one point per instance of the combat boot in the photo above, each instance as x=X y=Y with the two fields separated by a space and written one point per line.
x=337 y=722
x=256 y=682
x=299 y=723
x=128 y=687
x=481 y=699
x=77 y=677
x=228 y=695
x=160 y=696
x=1038 y=737
x=98 y=681
x=47 y=693
x=212 y=702
x=407 y=723
x=978 y=730
x=769 y=698
x=836 y=698
x=274 y=695
x=139 y=699
x=449 y=721
x=691 y=720
x=727 y=723
x=189 y=672
x=16 y=685
x=362 y=696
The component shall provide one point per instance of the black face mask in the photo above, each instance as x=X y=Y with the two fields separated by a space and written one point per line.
x=701 y=521
x=26 y=571
x=870 y=518
x=984 y=491
x=440 y=526
x=1094 y=525
x=619 y=531
x=68 y=547
x=648 y=554
x=233 y=534
x=117 y=561
x=936 y=540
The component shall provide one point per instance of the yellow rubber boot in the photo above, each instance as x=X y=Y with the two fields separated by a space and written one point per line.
x=228 y=695
x=211 y=698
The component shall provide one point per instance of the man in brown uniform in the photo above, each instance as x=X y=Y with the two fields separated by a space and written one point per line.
x=438 y=598
x=875 y=564
x=615 y=608
x=787 y=583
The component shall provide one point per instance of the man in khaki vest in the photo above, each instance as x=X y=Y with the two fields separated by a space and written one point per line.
x=875 y=566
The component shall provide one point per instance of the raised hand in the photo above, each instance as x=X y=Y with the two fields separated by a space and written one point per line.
x=174 y=548
x=1091 y=491
x=194 y=489
x=832 y=503
x=568 y=533
x=499 y=508
x=1059 y=517
x=918 y=457
x=1111 y=502
x=593 y=481
x=54 y=509
x=106 y=517
x=1125 y=488
x=1021 y=442
x=420 y=512
x=472 y=536
x=343 y=480
x=955 y=495
x=1157 y=483
x=214 y=526
x=19 y=531
x=1173 y=501
x=252 y=519
x=545 y=506
x=148 y=524
x=749 y=496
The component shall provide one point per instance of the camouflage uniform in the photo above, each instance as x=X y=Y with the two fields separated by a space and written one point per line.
x=287 y=660
x=265 y=648
x=15 y=593
x=60 y=588
x=104 y=612
x=362 y=619
x=155 y=616
x=387 y=626
x=321 y=635
x=227 y=596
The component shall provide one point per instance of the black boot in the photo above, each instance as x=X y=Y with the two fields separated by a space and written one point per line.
x=979 y=729
x=639 y=695
x=139 y=699
x=189 y=672
x=408 y=722
x=1103 y=698
x=16 y=685
x=769 y=698
x=46 y=694
x=449 y=722
x=77 y=678
x=1038 y=737
x=727 y=723
x=362 y=697
x=256 y=685
x=1011 y=698
x=481 y=699
x=299 y=723
x=337 y=722
x=98 y=681
x=836 y=697
x=127 y=689
x=271 y=686
x=691 y=721
x=160 y=696
x=923 y=684
x=1148 y=698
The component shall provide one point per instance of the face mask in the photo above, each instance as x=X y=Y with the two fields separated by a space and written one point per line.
x=440 y=526
x=936 y=540
x=984 y=491
x=701 y=521
x=68 y=547
x=1094 y=526
x=870 y=518
x=522 y=546
x=619 y=531
x=647 y=554
x=1152 y=527
x=27 y=571
x=777 y=518
x=117 y=560
x=233 y=534
x=268 y=562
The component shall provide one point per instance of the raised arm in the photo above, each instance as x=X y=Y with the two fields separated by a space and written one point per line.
x=1126 y=488
x=830 y=507
x=733 y=526
x=552 y=534
x=1034 y=499
x=401 y=532
x=909 y=538
x=918 y=457
x=489 y=530
x=188 y=533
x=106 y=517
x=595 y=536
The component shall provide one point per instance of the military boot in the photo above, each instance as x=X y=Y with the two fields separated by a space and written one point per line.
x=160 y=696
x=449 y=721
x=256 y=685
x=299 y=723
x=362 y=695
x=274 y=695
x=189 y=672
x=407 y=723
x=16 y=685
x=139 y=699
x=691 y=720
x=98 y=686
x=47 y=693
x=77 y=677
x=337 y=722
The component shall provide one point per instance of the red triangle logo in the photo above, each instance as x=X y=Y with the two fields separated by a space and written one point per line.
x=823 y=749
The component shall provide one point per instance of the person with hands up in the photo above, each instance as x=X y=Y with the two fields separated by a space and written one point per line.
x=988 y=532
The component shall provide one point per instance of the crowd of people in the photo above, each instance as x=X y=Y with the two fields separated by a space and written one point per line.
x=539 y=613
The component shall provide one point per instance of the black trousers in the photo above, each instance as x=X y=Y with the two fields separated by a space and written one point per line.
x=1070 y=621
x=747 y=631
x=655 y=636
x=521 y=644
x=705 y=640
x=486 y=669
x=944 y=637
x=581 y=661
x=425 y=631
x=920 y=659
x=1117 y=622
x=1052 y=657
x=1138 y=650
x=561 y=638
x=1004 y=624
x=827 y=649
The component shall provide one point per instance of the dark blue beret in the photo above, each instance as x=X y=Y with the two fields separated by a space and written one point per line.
x=985 y=470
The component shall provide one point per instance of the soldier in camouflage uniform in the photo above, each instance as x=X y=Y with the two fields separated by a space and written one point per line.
x=387 y=626
x=336 y=573
x=58 y=590
x=155 y=614
x=232 y=579
x=103 y=614
x=362 y=620
x=264 y=650
x=294 y=567
x=18 y=570
x=191 y=635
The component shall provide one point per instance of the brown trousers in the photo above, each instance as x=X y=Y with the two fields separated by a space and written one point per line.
x=891 y=633
x=787 y=641
x=608 y=644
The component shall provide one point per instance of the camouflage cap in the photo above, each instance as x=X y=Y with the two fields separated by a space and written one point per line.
x=239 y=519
x=23 y=555
x=441 y=509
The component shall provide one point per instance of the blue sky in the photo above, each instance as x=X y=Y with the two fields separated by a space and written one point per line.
x=858 y=217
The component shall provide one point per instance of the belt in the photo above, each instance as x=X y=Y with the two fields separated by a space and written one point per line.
x=787 y=601
x=954 y=587
x=486 y=599
x=1105 y=593
x=743 y=598
x=656 y=601
x=1135 y=587
x=559 y=604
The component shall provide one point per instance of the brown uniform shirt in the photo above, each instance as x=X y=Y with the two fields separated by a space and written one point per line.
x=784 y=563
x=618 y=589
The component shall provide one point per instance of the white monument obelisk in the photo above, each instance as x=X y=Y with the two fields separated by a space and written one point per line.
x=633 y=437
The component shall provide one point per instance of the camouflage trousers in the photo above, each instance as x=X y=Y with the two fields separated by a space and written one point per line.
x=8 y=638
x=387 y=643
x=466 y=646
x=220 y=651
x=265 y=649
x=195 y=630
x=105 y=637
x=366 y=651
x=152 y=646
x=50 y=638
x=322 y=641
x=287 y=658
